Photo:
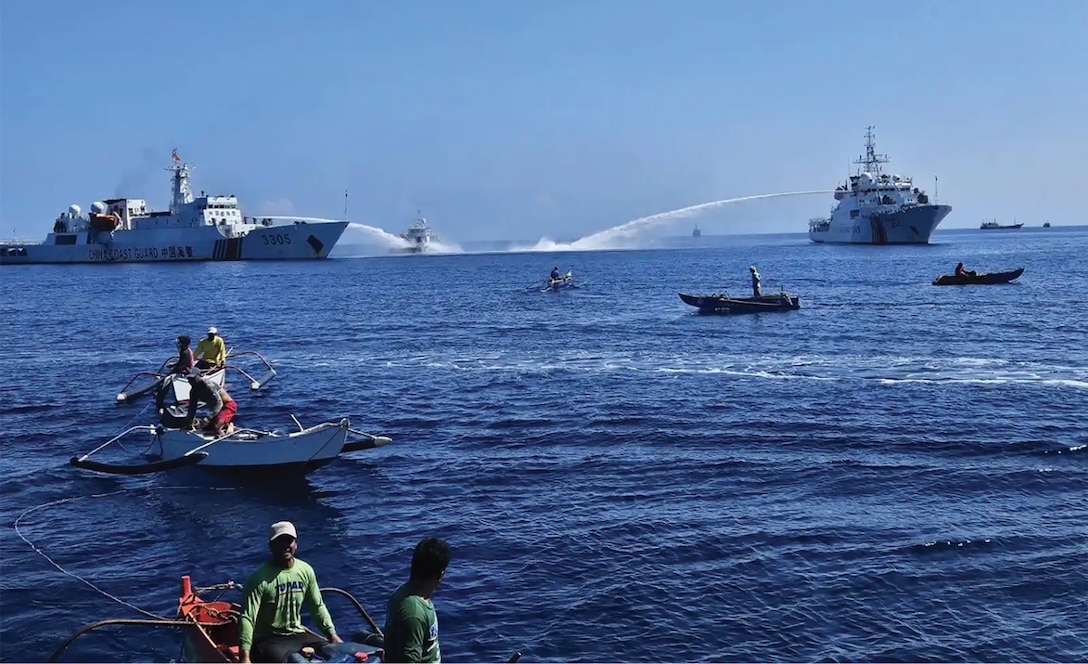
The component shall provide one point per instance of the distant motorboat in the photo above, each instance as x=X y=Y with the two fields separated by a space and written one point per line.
x=986 y=278
x=1046 y=225
x=419 y=237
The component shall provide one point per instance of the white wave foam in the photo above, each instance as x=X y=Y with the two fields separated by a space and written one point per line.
x=889 y=370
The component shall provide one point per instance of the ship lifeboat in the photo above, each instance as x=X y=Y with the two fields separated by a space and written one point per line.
x=105 y=222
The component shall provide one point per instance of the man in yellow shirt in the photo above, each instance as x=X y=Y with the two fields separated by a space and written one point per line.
x=211 y=351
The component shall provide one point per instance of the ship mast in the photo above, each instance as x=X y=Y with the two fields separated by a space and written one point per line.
x=871 y=161
x=182 y=195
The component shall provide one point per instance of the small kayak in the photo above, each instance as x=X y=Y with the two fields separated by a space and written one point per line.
x=983 y=278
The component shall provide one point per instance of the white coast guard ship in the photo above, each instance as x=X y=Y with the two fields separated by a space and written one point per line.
x=208 y=228
x=877 y=208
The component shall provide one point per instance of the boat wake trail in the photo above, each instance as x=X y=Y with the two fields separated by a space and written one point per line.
x=607 y=239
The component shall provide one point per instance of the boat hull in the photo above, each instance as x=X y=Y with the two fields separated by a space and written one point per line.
x=722 y=304
x=913 y=225
x=300 y=241
x=303 y=450
x=987 y=278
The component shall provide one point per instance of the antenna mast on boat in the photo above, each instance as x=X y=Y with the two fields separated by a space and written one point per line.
x=871 y=161
x=345 y=205
x=935 y=189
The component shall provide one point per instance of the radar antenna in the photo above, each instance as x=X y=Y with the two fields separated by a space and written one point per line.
x=871 y=161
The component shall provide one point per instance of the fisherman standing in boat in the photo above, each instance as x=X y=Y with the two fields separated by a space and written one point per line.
x=756 y=292
x=211 y=351
x=555 y=273
x=411 y=623
x=270 y=626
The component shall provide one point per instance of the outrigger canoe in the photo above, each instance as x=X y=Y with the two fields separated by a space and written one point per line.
x=210 y=630
x=563 y=283
x=150 y=381
x=983 y=278
x=240 y=451
x=724 y=304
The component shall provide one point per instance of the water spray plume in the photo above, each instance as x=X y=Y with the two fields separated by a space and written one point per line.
x=601 y=239
x=383 y=237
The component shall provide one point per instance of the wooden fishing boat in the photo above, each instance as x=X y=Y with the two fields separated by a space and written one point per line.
x=982 y=278
x=725 y=304
x=242 y=450
x=145 y=382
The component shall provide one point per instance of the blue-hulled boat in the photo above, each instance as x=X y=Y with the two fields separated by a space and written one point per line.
x=725 y=304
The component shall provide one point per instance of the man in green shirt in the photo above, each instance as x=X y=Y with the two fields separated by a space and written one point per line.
x=271 y=622
x=411 y=624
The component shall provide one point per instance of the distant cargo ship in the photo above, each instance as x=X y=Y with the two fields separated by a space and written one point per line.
x=994 y=226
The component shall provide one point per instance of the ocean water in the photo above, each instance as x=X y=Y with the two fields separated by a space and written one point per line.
x=895 y=472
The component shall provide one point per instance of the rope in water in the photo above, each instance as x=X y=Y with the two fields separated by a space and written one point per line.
x=79 y=578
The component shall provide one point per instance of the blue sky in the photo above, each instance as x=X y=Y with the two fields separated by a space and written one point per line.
x=516 y=120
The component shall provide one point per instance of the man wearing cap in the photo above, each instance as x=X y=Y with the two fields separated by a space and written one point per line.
x=211 y=351
x=270 y=627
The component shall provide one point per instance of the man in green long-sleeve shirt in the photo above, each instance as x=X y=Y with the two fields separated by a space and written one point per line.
x=271 y=622
x=411 y=623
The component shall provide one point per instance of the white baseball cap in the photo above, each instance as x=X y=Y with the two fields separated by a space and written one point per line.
x=281 y=528
x=212 y=330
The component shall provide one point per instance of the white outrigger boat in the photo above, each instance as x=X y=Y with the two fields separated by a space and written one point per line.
x=241 y=450
x=150 y=381
x=175 y=443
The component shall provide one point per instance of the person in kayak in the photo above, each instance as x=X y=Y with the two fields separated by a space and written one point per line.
x=555 y=273
x=960 y=272
x=756 y=292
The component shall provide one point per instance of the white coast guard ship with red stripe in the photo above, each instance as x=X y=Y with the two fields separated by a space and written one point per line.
x=208 y=228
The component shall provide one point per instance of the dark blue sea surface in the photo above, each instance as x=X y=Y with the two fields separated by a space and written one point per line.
x=895 y=472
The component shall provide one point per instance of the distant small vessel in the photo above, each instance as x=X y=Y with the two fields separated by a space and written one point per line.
x=696 y=232
x=878 y=208
x=983 y=278
x=993 y=225
x=419 y=236
x=1046 y=225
